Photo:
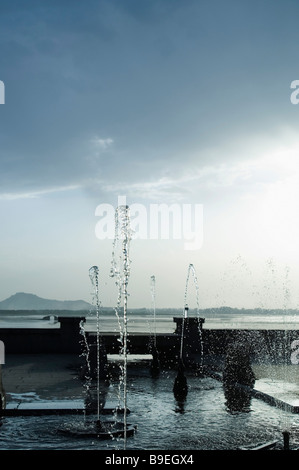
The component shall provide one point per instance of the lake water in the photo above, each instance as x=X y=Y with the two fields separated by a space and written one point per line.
x=144 y=322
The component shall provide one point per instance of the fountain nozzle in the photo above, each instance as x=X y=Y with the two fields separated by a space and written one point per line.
x=186 y=311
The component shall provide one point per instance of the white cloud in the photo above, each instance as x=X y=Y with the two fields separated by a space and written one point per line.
x=263 y=163
x=163 y=188
x=102 y=144
x=36 y=194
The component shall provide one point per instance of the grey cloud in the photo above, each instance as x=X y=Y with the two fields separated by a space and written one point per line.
x=76 y=72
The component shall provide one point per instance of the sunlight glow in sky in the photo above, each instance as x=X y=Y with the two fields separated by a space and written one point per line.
x=164 y=102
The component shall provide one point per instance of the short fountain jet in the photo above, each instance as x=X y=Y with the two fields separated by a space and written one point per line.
x=155 y=364
x=180 y=387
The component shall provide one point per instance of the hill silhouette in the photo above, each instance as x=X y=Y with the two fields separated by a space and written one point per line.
x=24 y=301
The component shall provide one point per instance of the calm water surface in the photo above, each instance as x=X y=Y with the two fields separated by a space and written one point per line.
x=202 y=422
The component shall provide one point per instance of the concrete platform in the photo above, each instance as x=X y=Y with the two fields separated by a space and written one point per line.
x=48 y=375
x=47 y=384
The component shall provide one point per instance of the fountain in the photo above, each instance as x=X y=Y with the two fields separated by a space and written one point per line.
x=191 y=270
x=100 y=352
x=194 y=344
x=209 y=425
x=120 y=271
x=180 y=387
x=155 y=364
x=100 y=428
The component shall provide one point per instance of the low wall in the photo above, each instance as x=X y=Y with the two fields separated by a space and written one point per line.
x=66 y=338
x=276 y=344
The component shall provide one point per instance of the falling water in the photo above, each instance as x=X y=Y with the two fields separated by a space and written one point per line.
x=191 y=270
x=86 y=353
x=120 y=271
x=155 y=365
x=183 y=330
x=286 y=422
x=180 y=387
x=153 y=294
x=94 y=277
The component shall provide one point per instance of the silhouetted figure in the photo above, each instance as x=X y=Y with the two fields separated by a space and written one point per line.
x=180 y=387
x=238 y=377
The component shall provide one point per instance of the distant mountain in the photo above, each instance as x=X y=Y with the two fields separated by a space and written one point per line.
x=23 y=301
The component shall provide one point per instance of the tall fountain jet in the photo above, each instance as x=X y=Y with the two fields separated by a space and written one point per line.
x=120 y=271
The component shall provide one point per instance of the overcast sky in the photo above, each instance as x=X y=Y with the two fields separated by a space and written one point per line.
x=161 y=101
